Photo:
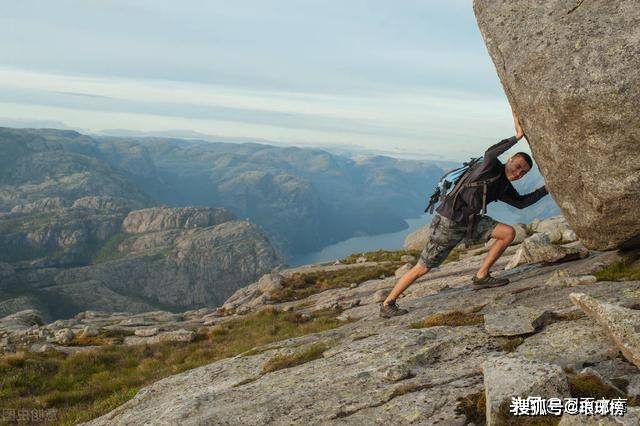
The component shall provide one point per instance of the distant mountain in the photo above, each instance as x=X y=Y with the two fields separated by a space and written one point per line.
x=304 y=198
x=74 y=235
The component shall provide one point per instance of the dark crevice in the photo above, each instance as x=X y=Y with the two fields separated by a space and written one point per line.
x=575 y=7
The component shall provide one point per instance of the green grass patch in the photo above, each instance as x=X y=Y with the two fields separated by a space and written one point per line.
x=85 y=385
x=104 y=337
x=301 y=285
x=583 y=385
x=510 y=343
x=381 y=256
x=302 y=356
x=453 y=318
x=473 y=407
x=625 y=269
x=109 y=250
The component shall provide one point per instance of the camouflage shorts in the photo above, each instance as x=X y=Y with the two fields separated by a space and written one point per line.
x=445 y=234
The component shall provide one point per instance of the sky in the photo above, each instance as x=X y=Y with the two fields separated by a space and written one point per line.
x=410 y=77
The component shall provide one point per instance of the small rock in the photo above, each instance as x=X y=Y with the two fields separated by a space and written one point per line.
x=569 y=236
x=344 y=317
x=361 y=259
x=407 y=258
x=353 y=285
x=380 y=296
x=258 y=301
x=270 y=283
x=63 y=336
x=514 y=376
x=180 y=335
x=538 y=249
x=6 y=346
x=394 y=373
x=89 y=331
x=403 y=270
x=561 y=278
x=41 y=347
x=513 y=322
x=533 y=226
x=555 y=236
x=242 y=310
x=552 y=223
x=146 y=332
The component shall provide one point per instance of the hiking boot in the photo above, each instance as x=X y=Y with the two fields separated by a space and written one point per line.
x=488 y=281
x=391 y=310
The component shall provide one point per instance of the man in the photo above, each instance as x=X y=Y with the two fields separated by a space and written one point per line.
x=458 y=218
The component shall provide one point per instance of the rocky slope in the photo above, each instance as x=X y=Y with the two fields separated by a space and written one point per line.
x=295 y=194
x=158 y=257
x=570 y=70
x=455 y=359
x=75 y=234
x=55 y=163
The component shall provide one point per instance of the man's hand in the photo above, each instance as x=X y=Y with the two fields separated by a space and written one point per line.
x=518 y=127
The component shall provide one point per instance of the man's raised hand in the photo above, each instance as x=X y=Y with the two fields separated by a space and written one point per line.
x=518 y=127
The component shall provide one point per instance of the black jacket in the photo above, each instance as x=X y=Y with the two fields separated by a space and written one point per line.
x=469 y=200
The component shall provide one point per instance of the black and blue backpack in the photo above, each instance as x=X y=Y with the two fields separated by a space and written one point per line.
x=454 y=180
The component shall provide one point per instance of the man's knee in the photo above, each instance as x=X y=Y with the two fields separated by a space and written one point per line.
x=419 y=269
x=510 y=233
x=504 y=232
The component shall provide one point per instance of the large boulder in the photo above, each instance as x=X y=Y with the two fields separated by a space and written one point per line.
x=418 y=238
x=571 y=71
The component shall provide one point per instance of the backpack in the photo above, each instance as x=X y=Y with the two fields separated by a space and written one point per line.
x=454 y=180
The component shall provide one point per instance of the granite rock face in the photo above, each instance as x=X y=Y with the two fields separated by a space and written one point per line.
x=92 y=255
x=511 y=376
x=164 y=218
x=570 y=70
x=621 y=324
x=513 y=322
x=374 y=370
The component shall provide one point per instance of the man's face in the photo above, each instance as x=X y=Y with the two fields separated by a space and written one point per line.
x=516 y=167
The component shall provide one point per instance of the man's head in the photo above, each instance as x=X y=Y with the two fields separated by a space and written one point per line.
x=518 y=165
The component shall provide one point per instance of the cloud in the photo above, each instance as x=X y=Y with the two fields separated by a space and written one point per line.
x=412 y=75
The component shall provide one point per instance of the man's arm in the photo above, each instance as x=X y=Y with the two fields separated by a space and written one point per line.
x=495 y=150
x=511 y=196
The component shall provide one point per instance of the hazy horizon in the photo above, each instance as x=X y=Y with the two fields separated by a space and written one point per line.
x=407 y=81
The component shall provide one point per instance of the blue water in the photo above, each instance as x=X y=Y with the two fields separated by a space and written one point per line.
x=390 y=241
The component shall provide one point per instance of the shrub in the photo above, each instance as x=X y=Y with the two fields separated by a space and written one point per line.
x=301 y=285
x=307 y=354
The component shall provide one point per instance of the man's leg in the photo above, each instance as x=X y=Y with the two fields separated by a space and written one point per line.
x=504 y=235
x=405 y=281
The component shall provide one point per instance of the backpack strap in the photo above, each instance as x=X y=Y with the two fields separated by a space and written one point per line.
x=483 y=183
